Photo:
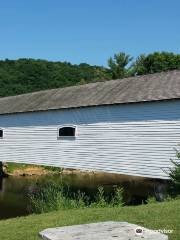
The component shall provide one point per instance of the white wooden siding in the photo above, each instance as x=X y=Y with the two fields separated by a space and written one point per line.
x=133 y=139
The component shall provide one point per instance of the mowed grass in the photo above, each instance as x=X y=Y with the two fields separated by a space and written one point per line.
x=154 y=216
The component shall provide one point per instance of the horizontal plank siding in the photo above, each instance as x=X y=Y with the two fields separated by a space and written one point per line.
x=133 y=139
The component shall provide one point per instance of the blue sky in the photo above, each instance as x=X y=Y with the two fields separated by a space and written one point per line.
x=87 y=30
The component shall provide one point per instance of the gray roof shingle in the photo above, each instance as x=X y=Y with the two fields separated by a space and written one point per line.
x=152 y=87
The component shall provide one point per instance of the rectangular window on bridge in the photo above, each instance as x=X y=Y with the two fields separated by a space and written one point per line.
x=67 y=132
x=1 y=133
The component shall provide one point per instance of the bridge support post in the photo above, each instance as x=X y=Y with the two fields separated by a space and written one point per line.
x=2 y=173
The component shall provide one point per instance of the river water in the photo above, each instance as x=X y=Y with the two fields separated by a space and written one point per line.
x=14 y=190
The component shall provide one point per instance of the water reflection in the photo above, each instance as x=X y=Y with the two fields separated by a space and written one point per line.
x=13 y=200
x=14 y=190
x=1 y=184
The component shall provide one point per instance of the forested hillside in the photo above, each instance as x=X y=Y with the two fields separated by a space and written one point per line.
x=28 y=75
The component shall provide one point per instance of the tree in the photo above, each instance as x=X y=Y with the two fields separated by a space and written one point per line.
x=138 y=68
x=175 y=174
x=156 y=62
x=118 y=65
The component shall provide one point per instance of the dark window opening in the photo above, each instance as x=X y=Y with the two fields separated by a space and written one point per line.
x=67 y=132
x=1 y=133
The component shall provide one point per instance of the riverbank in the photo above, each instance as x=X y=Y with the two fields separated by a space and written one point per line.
x=155 y=216
x=17 y=169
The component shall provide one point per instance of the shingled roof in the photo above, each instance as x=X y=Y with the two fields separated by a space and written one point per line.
x=153 y=87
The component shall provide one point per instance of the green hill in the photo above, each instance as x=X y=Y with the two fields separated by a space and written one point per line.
x=28 y=75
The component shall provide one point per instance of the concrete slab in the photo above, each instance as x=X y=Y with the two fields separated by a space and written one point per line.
x=102 y=231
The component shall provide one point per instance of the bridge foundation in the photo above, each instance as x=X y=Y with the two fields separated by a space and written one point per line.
x=2 y=173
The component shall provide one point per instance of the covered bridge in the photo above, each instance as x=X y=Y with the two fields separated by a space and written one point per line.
x=129 y=126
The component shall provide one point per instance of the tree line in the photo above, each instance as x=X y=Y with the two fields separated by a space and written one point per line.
x=28 y=75
x=123 y=65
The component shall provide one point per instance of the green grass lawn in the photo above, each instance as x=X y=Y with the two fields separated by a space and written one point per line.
x=154 y=216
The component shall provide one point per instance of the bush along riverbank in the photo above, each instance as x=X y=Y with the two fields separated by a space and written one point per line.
x=53 y=196
x=50 y=196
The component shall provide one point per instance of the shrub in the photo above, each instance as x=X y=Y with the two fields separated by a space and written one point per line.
x=118 y=197
x=46 y=197
x=151 y=200
x=175 y=174
x=100 y=200
x=51 y=195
